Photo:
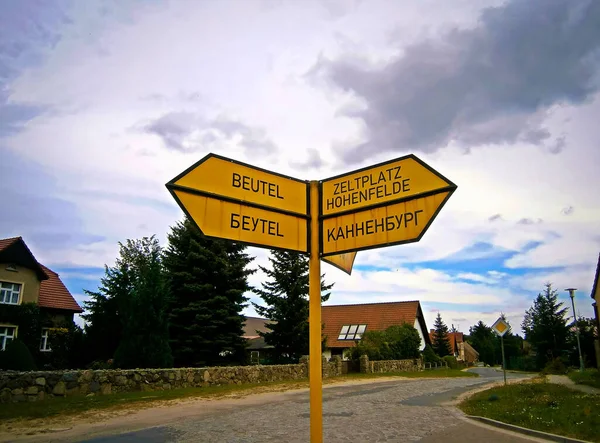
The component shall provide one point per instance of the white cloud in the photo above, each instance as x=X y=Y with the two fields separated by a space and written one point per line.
x=252 y=63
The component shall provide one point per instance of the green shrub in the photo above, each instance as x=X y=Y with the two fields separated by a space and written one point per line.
x=451 y=361
x=429 y=355
x=397 y=342
x=556 y=366
x=17 y=357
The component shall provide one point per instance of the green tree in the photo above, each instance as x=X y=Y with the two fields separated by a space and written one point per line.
x=513 y=345
x=587 y=332
x=103 y=329
x=207 y=279
x=17 y=357
x=441 y=342
x=546 y=327
x=397 y=342
x=481 y=337
x=286 y=303
x=142 y=309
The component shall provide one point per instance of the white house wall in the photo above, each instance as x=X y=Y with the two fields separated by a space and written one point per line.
x=420 y=331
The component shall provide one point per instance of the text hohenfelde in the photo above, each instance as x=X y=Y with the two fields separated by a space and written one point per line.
x=368 y=187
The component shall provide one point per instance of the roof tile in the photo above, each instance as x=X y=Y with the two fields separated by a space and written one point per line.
x=53 y=292
x=377 y=317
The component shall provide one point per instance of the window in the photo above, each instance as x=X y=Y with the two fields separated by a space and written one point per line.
x=44 y=343
x=9 y=293
x=352 y=332
x=7 y=334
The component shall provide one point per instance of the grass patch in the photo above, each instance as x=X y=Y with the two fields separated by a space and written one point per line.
x=53 y=407
x=78 y=404
x=589 y=377
x=541 y=406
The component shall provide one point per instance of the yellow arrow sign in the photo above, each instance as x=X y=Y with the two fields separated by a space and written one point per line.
x=243 y=223
x=386 y=182
x=397 y=223
x=224 y=178
x=343 y=262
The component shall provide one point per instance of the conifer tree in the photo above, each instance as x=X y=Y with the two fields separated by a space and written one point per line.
x=545 y=326
x=441 y=342
x=207 y=279
x=286 y=304
x=142 y=308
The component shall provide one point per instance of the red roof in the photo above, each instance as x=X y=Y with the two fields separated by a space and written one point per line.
x=53 y=292
x=377 y=317
x=5 y=242
x=454 y=337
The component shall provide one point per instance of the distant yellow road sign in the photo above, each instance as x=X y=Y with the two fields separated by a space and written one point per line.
x=393 y=224
x=243 y=223
x=393 y=180
x=224 y=178
x=500 y=327
x=343 y=262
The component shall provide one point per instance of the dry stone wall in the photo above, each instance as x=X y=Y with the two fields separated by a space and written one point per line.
x=382 y=366
x=35 y=386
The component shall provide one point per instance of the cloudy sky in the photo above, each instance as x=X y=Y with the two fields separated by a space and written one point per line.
x=103 y=102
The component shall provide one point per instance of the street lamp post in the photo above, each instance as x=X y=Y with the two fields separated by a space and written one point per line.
x=572 y=295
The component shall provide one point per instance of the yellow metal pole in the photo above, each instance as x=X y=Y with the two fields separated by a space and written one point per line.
x=314 y=318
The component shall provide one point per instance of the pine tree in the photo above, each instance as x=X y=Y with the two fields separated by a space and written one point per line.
x=546 y=327
x=207 y=279
x=482 y=338
x=441 y=342
x=286 y=299
x=126 y=316
x=142 y=312
x=103 y=330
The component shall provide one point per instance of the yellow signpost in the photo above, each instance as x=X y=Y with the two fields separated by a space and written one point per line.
x=224 y=178
x=387 y=204
x=342 y=261
x=394 y=180
x=501 y=327
x=243 y=223
x=393 y=224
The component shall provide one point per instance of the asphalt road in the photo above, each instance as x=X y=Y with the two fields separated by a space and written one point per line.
x=391 y=411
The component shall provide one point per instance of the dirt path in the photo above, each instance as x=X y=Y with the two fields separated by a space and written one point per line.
x=566 y=381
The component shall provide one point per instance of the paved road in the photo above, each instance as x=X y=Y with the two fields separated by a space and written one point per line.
x=397 y=411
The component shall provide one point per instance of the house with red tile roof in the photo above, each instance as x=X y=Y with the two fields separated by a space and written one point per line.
x=343 y=325
x=462 y=350
x=24 y=280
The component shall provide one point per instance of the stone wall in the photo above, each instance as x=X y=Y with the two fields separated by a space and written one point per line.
x=34 y=386
x=333 y=367
x=383 y=366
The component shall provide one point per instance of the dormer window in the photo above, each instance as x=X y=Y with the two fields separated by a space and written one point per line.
x=11 y=267
x=352 y=332
x=9 y=293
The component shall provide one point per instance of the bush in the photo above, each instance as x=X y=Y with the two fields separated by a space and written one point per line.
x=17 y=357
x=451 y=361
x=556 y=366
x=429 y=355
x=397 y=342
x=524 y=363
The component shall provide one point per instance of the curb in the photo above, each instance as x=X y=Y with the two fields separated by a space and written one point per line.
x=526 y=431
